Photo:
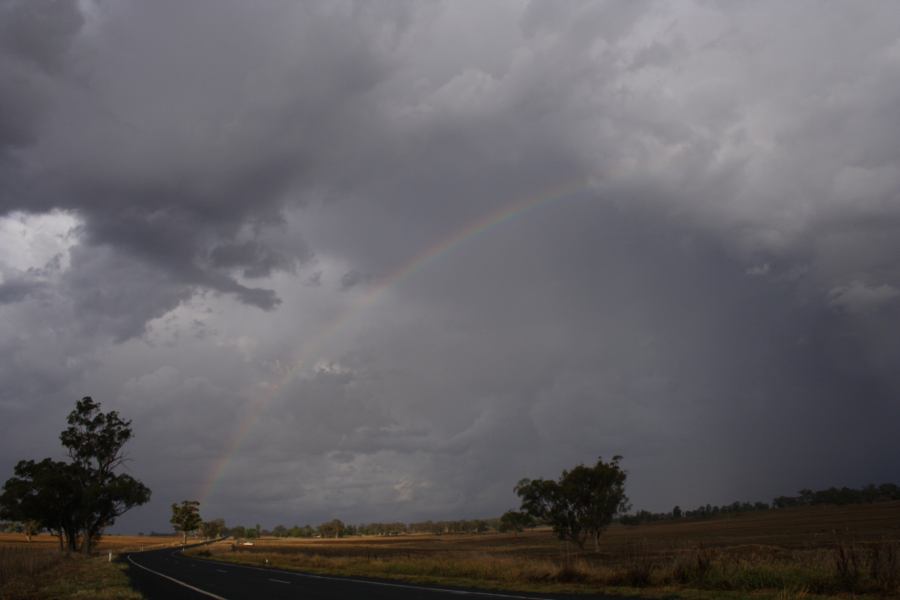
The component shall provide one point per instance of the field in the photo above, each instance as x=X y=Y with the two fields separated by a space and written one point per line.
x=36 y=569
x=109 y=542
x=791 y=553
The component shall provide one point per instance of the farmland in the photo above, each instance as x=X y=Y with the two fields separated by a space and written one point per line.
x=802 y=552
x=107 y=543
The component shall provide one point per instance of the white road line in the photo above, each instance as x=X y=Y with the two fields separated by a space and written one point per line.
x=178 y=581
x=279 y=581
x=221 y=570
x=404 y=586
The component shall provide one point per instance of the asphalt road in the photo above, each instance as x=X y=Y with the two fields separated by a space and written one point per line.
x=169 y=575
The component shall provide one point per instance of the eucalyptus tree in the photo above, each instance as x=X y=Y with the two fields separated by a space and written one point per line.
x=581 y=503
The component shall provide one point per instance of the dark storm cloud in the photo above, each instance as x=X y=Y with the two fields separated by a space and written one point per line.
x=176 y=156
x=718 y=302
x=39 y=31
x=16 y=290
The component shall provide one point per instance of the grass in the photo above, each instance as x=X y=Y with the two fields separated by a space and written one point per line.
x=813 y=552
x=115 y=543
x=36 y=570
x=38 y=573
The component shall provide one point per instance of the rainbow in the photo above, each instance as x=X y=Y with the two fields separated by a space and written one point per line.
x=417 y=263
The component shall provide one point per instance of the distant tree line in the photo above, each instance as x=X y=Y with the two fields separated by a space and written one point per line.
x=865 y=495
x=335 y=528
x=835 y=496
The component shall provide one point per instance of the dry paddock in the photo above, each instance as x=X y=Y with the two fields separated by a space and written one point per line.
x=775 y=531
x=107 y=543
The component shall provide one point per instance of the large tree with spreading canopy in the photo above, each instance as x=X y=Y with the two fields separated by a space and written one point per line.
x=77 y=500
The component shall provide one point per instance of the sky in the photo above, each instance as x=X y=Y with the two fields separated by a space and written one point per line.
x=381 y=260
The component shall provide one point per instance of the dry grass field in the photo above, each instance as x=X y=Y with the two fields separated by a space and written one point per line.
x=107 y=543
x=808 y=552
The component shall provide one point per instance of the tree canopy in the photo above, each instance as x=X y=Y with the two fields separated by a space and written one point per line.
x=333 y=528
x=186 y=517
x=513 y=520
x=212 y=528
x=581 y=503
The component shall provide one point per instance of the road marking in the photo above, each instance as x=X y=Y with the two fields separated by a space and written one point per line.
x=404 y=586
x=279 y=581
x=221 y=570
x=178 y=581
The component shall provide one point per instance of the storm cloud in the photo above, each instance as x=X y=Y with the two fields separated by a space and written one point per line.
x=289 y=240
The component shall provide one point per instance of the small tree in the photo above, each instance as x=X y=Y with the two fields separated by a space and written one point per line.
x=581 y=504
x=186 y=517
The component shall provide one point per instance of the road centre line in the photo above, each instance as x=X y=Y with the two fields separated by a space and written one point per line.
x=279 y=581
x=178 y=581
x=379 y=583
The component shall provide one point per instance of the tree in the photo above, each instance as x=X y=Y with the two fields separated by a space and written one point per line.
x=238 y=531
x=212 y=529
x=513 y=520
x=95 y=441
x=676 y=512
x=581 y=504
x=46 y=492
x=333 y=528
x=186 y=517
x=79 y=499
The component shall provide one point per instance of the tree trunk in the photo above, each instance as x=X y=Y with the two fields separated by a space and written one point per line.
x=184 y=538
x=72 y=539
x=565 y=553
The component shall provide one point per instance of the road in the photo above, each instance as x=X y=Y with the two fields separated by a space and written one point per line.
x=169 y=575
